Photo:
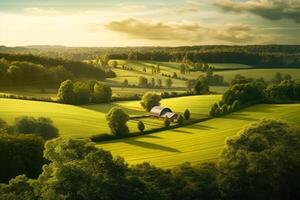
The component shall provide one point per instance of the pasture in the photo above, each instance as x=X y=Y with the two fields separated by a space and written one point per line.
x=85 y=121
x=197 y=143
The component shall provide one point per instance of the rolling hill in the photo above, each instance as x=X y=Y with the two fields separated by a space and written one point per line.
x=197 y=143
x=85 y=121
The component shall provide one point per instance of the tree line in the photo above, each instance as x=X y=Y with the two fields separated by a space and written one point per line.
x=16 y=70
x=246 y=91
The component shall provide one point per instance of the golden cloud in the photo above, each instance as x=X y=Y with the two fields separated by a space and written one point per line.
x=183 y=31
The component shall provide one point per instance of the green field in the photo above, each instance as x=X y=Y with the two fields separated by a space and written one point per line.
x=84 y=121
x=267 y=74
x=196 y=143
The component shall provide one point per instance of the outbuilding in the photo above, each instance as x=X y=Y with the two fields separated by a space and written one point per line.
x=162 y=112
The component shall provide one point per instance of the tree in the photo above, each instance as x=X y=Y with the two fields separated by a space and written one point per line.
x=149 y=100
x=261 y=162
x=141 y=126
x=152 y=82
x=169 y=82
x=236 y=105
x=82 y=93
x=167 y=122
x=117 y=120
x=125 y=82
x=159 y=83
x=187 y=114
x=143 y=82
x=102 y=93
x=180 y=120
x=224 y=109
x=66 y=93
x=41 y=126
x=201 y=87
x=14 y=73
x=20 y=154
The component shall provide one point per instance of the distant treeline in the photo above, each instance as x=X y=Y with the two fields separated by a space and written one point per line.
x=258 y=59
x=78 y=69
x=256 y=55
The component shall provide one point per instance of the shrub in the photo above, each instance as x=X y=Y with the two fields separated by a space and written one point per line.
x=149 y=100
x=224 y=109
x=66 y=93
x=102 y=93
x=236 y=105
x=201 y=87
x=20 y=154
x=141 y=126
x=167 y=122
x=117 y=120
x=82 y=93
x=187 y=114
x=41 y=126
x=180 y=120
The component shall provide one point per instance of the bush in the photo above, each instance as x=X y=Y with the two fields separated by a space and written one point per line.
x=180 y=120
x=141 y=126
x=82 y=93
x=167 y=122
x=66 y=92
x=187 y=114
x=236 y=105
x=41 y=126
x=102 y=93
x=224 y=109
x=20 y=154
x=149 y=100
x=201 y=87
x=117 y=120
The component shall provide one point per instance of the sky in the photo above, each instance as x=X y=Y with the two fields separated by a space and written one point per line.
x=102 y=23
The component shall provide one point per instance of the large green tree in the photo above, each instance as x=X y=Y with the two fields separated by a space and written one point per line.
x=117 y=121
x=261 y=162
x=150 y=99
x=66 y=92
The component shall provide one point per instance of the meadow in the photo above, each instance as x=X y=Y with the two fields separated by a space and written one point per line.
x=197 y=143
x=85 y=121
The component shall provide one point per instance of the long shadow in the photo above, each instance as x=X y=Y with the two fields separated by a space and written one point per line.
x=239 y=117
x=151 y=136
x=181 y=131
x=151 y=146
x=200 y=126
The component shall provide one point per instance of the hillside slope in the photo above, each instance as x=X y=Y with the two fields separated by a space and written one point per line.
x=196 y=143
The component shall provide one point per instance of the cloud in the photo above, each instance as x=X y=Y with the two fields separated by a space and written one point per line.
x=183 y=31
x=190 y=6
x=268 y=9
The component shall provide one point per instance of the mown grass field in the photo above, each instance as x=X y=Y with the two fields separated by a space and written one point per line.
x=170 y=67
x=197 y=143
x=85 y=121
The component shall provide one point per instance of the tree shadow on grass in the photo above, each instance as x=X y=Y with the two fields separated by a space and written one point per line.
x=238 y=117
x=151 y=146
x=201 y=126
x=181 y=131
x=151 y=136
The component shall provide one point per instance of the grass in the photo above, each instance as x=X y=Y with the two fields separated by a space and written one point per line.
x=85 y=121
x=267 y=74
x=197 y=143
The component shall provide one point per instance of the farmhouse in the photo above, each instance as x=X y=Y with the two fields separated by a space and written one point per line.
x=161 y=112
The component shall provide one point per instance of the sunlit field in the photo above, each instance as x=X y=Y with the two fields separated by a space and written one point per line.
x=197 y=143
x=85 y=121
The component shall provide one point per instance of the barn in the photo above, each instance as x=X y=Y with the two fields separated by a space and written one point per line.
x=161 y=112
